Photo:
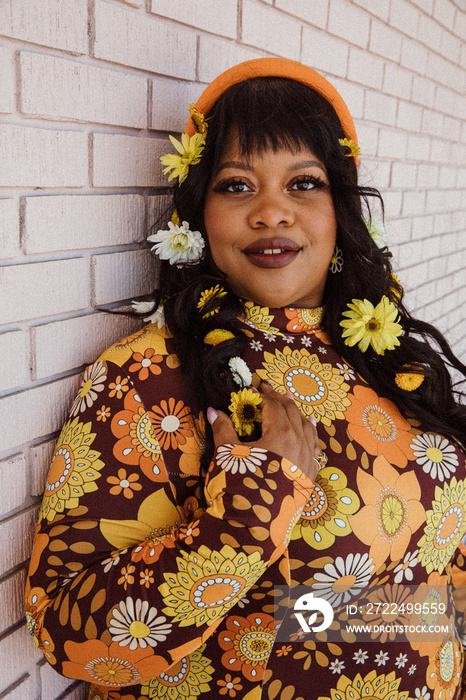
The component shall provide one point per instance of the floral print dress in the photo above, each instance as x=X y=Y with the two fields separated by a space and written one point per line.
x=146 y=590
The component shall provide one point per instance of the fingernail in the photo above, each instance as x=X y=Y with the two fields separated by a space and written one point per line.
x=289 y=395
x=253 y=388
x=212 y=415
x=313 y=420
x=264 y=381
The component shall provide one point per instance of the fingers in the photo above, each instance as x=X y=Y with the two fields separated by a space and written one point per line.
x=222 y=427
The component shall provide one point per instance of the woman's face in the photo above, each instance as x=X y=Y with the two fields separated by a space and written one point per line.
x=271 y=225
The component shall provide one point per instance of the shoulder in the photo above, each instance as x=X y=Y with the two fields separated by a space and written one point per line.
x=149 y=341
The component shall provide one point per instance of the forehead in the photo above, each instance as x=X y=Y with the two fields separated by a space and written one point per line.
x=233 y=155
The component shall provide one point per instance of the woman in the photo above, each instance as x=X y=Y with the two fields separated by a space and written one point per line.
x=331 y=455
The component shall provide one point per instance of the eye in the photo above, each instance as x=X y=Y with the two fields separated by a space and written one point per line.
x=234 y=186
x=306 y=183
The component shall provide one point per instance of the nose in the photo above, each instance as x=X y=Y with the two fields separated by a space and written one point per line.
x=270 y=210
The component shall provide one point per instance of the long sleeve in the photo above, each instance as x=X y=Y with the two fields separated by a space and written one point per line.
x=129 y=574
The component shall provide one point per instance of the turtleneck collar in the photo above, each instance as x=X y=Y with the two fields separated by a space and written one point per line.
x=284 y=320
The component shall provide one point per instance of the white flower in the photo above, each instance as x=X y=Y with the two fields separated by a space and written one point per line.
x=146 y=307
x=381 y=658
x=435 y=454
x=240 y=458
x=346 y=371
x=377 y=229
x=333 y=584
x=322 y=350
x=240 y=371
x=422 y=694
x=307 y=342
x=288 y=338
x=135 y=624
x=256 y=345
x=401 y=660
x=112 y=561
x=269 y=336
x=360 y=656
x=337 y=666
x=93 y=381
x=179 y=245
x=412 y=669
x=404 y=569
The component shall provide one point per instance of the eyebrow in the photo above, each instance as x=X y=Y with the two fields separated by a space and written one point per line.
x=242 y=165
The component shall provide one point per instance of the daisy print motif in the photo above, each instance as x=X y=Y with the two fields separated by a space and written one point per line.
x=435 y=454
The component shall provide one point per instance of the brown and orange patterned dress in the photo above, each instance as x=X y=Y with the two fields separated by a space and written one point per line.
x=138 y=588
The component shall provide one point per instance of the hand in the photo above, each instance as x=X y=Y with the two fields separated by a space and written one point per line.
x=285 y=430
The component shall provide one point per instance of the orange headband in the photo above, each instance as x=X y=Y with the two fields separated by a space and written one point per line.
x=276 y=67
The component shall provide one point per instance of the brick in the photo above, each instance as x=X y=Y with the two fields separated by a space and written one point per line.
x=427 y=175
x=324 y=53
x=444 y=12
x=64 y=89
x=413 y=55
x=132 y=38
x=119 y=276
x=445 y=72
x=13 y=484
x=380 y=8
x=452 y=128
x=352 y=94
x=426 y=5
x=409 y=116
x=364 y=69
x=40 y=460
x=385 y=41
x=450 y=46
x=445 y=100
x=56 y=23
x=368 y=137
x=404 y=17
x=393 y=201
x=423 y=91
x=12 y=600
x=18 y=652
x=53 y=684
x=17 y=532
x=392 y=144
x=24 y=689
x=315 y=13
x=9 y=228
x=440 y=151
x=404 y=175
x=429 y=32
x=217 y=55
x=14 y=368
x=460 y=24
x=43 y=289
x=49 y=405
x=413 y=203
x=457 y=153
x=432 y=123
x=380 y=108
x=77 y=692
x=7 y=81
x=128 y=161
x=170 y=104
x=204 y=15
x=160 y=208
x=22 y=154
x=397 y=81
x=374 y=173
x=349 y=22
x=423 y=226
x=68 y=222
x=69 y=344
x=264 y=28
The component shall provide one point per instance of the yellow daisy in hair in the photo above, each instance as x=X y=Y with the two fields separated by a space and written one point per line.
x=367 y=325
x=354 y=149
x=208 y=295
x=198 y=119
x=397 y=293
x=245 y=411
x=409 y=381
x=190 y=150
x=217 y=336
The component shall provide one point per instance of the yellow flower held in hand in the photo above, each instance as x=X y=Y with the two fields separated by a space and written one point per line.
x=245 y=411
x=367 y=325
x=190 y=150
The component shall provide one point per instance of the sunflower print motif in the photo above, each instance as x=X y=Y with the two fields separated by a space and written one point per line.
x=74 y=470
x=188 y=678
x=317 y=388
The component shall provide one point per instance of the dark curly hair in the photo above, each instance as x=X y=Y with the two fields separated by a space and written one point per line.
x=277 y=113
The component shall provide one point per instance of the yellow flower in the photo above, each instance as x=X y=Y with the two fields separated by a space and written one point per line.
x=217 y=336
x=175 y=219
x=367 y=325
x=352 y=145
x=190 y=150
x=199 y=120
x=397 y=293
x=208 y=295
x=260 y=318
x=244 y=410
x=409 y=381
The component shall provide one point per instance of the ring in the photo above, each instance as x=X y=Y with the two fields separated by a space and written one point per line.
x=321 y=460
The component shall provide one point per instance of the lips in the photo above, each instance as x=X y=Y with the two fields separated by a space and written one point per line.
x=272 y=252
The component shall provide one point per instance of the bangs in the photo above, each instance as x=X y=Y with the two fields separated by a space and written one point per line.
x=275 y=113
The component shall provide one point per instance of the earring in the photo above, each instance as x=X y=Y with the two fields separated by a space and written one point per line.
x=336 y=261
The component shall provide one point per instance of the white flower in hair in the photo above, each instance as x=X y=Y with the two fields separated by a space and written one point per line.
x=146 y=307
x=178 y=245
x=377 y=229
x=240 y=371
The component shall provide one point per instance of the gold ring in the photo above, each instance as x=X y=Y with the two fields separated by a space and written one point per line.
x=321 y=460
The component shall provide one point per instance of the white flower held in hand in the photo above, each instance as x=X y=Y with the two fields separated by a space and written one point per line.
x=178 y=245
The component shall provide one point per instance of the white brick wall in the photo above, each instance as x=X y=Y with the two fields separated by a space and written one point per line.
x=89 y=91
